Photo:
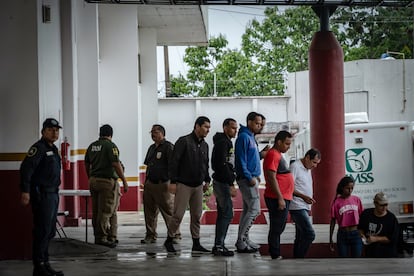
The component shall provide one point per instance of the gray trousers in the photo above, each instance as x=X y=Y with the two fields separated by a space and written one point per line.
x=251 y=209
x=187 y=196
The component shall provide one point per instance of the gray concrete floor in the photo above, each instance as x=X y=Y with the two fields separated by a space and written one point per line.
x=77 y=258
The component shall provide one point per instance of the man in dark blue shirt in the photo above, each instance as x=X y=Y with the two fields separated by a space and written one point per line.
x=40 y=180
x=157 y=198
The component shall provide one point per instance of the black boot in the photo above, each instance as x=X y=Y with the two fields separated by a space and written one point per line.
x=52 y=271
x=40 y=269
x=197 y=247
x=169 y=245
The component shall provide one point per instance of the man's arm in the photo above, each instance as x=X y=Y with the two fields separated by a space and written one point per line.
x=120 y=172
x=87 y=168
x=294 y=170
x=27 y=168
x=331 y=230
x=274 y=186
x=305 y=198
x=177 y=154
x=207 y=177
x=241 y=146
x=170 y=152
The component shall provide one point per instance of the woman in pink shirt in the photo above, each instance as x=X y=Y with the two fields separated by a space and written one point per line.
x=346 y=209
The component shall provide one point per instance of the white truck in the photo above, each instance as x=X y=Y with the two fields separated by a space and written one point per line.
x=380 y=157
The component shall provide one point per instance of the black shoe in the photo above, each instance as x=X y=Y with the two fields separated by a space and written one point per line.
x=115 y=241
x=52 y=271
x=41 y=270
x=148 y=240
x=199 y=248
x=107 y=244
x=246 y=250
x=168 y=244
x=222 y=251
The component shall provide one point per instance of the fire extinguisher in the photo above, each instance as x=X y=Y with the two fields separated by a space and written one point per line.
x=64 y=149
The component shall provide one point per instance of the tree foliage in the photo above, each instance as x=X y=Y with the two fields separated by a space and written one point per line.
x=371 y=32
x=280 y=44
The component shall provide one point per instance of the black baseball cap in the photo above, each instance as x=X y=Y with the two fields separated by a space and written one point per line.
x=50 y=122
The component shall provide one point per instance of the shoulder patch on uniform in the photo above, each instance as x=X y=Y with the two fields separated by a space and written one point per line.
x=32 y=152
x=115 y=151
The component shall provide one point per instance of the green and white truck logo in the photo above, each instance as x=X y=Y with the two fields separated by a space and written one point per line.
x=359 y=165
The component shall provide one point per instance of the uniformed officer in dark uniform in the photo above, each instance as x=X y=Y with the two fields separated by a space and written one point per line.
x=156 y=196
x=40 y=180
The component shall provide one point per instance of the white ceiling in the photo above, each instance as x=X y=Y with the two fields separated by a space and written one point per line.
x=175 y=24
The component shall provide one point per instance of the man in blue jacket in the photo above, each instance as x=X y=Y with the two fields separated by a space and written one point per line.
x=248 y=179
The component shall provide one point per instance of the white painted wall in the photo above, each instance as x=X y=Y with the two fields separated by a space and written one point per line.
x=378 y=83
x=118 y=79
x=50 y=72
x=30 y=72
x=179 y=114
x=81 y=94
x=148 y=98
x=19 y=88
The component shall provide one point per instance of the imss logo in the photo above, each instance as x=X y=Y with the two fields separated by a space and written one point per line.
x=359 y=165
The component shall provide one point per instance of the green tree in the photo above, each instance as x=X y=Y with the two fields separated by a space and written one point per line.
x=202 y=61
x=235 y=74
x=180 y=86
x=370 y=32
x=280 y=44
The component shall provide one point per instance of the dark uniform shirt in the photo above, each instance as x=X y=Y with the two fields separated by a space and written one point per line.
x=157 y=160
x=222 y=159
x=190 y=161
x=100 y=155
x=40 y=169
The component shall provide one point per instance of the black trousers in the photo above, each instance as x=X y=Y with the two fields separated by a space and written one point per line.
x=44 y=209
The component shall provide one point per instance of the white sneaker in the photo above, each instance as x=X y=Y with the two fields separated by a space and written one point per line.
x=252 y=244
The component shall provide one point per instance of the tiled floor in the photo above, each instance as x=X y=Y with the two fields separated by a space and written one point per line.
x=77 y=258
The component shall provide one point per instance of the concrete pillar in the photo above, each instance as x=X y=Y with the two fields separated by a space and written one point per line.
x=118 y=98
x=30 y=92
x=326 y=119
x=148 y=93
x=80 y=94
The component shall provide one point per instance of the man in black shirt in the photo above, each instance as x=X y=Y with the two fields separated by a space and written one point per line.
x=156 y=197
x=379 y=229
x=189 y=173
x=224 y=175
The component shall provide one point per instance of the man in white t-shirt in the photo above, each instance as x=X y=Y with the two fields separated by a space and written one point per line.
x=302 y=200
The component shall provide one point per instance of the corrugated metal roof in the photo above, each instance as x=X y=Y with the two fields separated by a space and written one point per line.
x=360 y=3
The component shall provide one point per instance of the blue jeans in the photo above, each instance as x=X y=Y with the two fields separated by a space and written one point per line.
x=349 y=243
x=224 y=211
x=304 y=232
x=251 y=209
x=277 y=224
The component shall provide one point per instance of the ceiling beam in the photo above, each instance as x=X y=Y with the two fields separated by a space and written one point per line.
x=357 y=3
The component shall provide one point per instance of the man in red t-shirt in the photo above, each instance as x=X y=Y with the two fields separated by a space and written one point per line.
x=279 y=190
